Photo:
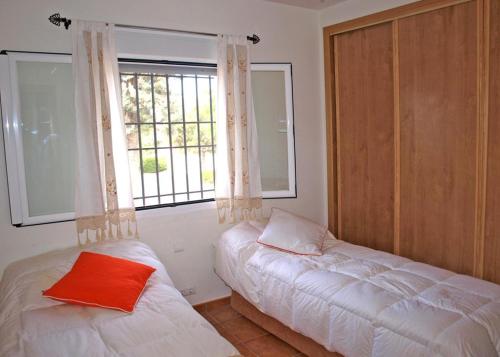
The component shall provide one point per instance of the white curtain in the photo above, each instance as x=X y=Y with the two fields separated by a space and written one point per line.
x=104 y=205
x=238 y=190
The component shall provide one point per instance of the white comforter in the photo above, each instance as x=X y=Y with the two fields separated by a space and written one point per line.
x=163 y=323
x=363 y=302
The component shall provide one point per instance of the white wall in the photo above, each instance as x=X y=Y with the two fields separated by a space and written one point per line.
x=288 y=35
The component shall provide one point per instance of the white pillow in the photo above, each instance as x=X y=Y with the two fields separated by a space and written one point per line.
x=291 y=233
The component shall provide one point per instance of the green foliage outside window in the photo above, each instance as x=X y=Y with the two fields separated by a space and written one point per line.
x=149 y=165
x=161 y=108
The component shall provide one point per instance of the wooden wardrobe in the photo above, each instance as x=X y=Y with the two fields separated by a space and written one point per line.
x=413 y=133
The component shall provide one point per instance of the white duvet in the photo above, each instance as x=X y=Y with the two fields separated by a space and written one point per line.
x=362 y=302
x=163 y=323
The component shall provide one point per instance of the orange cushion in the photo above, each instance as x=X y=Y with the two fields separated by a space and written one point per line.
x=103 y=281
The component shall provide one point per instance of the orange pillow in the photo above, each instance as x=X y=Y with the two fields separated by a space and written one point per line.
x=103 y=281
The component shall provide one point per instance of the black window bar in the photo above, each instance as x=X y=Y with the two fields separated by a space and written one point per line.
x=206 y=192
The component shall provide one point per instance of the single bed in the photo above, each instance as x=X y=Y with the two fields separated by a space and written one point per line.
x=163 y=323
x=361 y=302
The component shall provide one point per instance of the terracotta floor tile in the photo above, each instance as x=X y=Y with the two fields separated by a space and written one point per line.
x=247 y=337
x=224 y=314
x=208 y=317
x=270 y=346
x=227 y=334
x=244 y=329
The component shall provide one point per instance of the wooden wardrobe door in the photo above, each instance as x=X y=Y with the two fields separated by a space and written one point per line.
x=438 y=110
x=365 y=134
x=492 y=224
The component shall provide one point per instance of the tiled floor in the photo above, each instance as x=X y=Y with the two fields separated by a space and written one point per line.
x=247 y=337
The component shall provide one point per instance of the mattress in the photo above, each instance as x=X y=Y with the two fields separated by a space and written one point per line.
x=163 y=323
x=363 y=302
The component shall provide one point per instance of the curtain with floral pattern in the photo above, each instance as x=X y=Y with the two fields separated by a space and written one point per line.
x=104 y=205
x=238 y=192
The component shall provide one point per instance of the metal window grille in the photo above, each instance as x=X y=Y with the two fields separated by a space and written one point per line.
x=170 y=123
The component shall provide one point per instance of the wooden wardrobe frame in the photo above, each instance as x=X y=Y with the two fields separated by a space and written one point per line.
x=332 y=113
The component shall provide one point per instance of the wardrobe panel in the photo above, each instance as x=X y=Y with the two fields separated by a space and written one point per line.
x=492 y=223
x=365 y=134
x=438 y=109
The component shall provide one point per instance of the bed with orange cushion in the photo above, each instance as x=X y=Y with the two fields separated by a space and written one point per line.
x=163 y=323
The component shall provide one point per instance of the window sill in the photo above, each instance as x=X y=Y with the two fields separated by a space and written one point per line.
x=150 y=212
x=195 y=207
x=181 y=209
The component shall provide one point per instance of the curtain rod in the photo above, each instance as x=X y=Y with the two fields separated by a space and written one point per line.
x=56 y=19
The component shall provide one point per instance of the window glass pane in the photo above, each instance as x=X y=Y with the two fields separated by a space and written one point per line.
x=175 y=108
x=162 y=135
x=190 y=99
x=175 y=94
x=177 y=135
x=166 y=200
x=207 y=168
x=132 y=136
x=208 y=194
x=151 y=201
x=191 y=134
x=165 y=171
x=161 y=104
x=213 y=90
x=48 y=135
x=135 y=172
x=181 y=198
x=129 y=98
x=194 y=169
x=150 y=169
x=138 y=202
x=205 y=134
x=196 y=196
x=204 y=98
x=147 y=136
x=179 y=165
x=270 y=112
x=145 y=99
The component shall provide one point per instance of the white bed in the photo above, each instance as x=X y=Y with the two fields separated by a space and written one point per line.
x=163 y=323
x=362 y=302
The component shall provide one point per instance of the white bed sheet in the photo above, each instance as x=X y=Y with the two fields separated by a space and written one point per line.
x=163 y=323
x=362 y=302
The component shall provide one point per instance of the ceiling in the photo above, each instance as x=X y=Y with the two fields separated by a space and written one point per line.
x=310 y=4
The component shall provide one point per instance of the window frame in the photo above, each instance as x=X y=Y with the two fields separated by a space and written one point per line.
x=12 y=135
x=149 y=62
x=286 y=67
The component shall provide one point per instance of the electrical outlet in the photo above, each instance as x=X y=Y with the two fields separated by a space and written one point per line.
x=188 y=291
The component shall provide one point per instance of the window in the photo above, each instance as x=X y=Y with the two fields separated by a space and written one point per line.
x=169 y=112
x=38 y=126
x=273 y=103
